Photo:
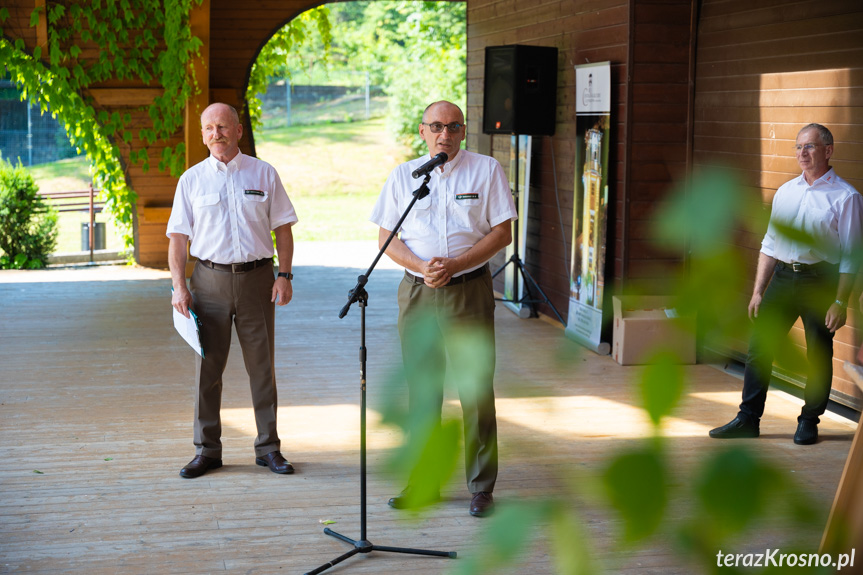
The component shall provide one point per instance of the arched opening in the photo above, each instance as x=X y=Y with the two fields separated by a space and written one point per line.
x=339 y=110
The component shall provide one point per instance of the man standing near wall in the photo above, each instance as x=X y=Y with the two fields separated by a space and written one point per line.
x=227 y=206
x=806 y=268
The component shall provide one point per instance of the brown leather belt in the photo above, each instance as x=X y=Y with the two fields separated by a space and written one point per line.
x=477 y=273
x=237 y=268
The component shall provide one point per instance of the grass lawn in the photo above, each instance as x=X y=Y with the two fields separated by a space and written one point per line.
x=332 y=172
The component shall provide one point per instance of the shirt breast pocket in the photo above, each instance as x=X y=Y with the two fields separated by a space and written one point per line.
x=466 y=210
x=207 y=208
x=255 y=206
x=421 y=214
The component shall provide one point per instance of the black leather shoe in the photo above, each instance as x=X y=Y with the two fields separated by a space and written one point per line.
x=275 y=462
x=482 y=504
x=737 y=428
x=807 y=432
x=409 y=499
x=199 y=466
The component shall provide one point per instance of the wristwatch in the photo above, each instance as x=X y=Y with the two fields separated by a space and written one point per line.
x=286 y=275
x=841 y=303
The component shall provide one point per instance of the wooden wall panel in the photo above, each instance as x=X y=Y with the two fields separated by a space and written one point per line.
x=657 y=139
x=762 y=73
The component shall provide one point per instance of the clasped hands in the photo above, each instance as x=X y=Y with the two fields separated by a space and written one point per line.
x=438 y=271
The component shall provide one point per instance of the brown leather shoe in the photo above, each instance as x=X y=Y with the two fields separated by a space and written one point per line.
x=482 y=504
x=199 y=466
x=275 y=462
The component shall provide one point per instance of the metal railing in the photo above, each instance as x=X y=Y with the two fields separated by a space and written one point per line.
x=91 y=205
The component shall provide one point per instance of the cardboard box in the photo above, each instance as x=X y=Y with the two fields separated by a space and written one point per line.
x=646 y=324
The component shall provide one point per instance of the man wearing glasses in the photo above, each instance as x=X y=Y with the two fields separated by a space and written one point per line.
x=806 y=268
x=446 y=302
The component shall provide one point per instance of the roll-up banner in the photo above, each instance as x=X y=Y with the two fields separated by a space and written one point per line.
x=590 y=209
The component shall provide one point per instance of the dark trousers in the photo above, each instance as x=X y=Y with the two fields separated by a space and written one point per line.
x=790 y=295
x=455 y=321
x=222 y=300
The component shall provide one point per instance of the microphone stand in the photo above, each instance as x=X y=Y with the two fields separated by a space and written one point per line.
x=359 y=294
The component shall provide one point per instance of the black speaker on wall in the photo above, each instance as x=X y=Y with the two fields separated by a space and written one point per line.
x=520 y=93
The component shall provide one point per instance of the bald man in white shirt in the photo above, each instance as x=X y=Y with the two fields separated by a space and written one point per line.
x=227 y=206
x=446 y=301
x=810 y=279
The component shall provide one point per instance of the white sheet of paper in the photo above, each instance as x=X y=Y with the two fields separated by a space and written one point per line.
x=188 y=328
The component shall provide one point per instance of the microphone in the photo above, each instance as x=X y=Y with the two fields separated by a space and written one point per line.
x=438 y=160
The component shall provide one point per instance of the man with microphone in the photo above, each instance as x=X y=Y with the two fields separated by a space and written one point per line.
x=446 y=301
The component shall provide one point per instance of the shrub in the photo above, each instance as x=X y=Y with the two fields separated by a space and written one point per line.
x=28 y=226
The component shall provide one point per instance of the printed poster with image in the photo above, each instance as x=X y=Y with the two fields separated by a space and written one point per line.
x=590 y=209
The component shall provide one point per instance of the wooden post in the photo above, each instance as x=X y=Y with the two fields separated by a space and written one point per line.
x=845 y=525
x=92 y=224
x=196 y=151
x=42 y=28
x=199 y=22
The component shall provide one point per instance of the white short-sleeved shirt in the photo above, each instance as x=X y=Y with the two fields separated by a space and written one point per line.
x=830 y=211
x=468 y=197
x=228 y=210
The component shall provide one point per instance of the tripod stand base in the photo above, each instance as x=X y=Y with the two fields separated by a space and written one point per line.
x=527 y=282
x=364 y=546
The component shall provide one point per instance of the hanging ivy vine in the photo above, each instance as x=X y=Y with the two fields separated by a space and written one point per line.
x=96 y=41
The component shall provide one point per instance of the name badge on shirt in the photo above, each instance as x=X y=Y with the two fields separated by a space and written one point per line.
x=467 y=196
x=254 y=193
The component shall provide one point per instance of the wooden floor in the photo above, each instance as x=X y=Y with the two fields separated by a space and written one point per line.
x=95 y=423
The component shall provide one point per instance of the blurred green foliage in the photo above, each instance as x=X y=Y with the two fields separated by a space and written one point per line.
x=716 y=501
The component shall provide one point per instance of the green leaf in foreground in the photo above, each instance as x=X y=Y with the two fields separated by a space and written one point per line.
x=637 y=486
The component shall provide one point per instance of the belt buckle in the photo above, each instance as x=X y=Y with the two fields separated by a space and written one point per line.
x=237 y=268
x=797 y=267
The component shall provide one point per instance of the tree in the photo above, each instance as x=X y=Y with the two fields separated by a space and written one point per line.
x=431 y=64
x=415 y=50
x=284 y=47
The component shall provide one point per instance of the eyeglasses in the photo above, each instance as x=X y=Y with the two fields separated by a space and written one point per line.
x=437 y=127
x=808 y=147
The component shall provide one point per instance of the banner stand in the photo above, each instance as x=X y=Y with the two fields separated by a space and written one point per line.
x=590 y=209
